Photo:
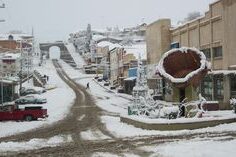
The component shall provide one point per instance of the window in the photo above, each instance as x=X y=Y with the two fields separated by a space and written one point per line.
x=207 y=86
x=217 y=51
x=174 y=45
x=219 y=89
x=207 y=53
x=233 y=86
x=159 y=86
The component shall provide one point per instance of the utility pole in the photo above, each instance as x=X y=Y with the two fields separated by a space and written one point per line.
x=20 y=68
x=1 y=20
x=1 y=82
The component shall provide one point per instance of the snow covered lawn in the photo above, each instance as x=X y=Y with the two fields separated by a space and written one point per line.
x=210 y=116
x=121 y=130
x=59 y=101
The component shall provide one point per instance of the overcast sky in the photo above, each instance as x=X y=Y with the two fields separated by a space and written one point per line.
x=55 y=19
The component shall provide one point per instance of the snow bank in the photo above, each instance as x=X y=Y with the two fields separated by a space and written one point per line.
x=121 y=130
x=180 y=120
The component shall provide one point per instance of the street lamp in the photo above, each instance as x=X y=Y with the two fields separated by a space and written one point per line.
x=1 y=82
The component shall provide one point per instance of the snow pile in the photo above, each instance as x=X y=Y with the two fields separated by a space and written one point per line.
x=233 y=101
x=204 y=65
x=35 y=143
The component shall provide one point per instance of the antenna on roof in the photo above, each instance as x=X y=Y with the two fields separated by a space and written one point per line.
x=2 y=6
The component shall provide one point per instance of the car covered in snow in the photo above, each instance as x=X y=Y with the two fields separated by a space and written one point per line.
x=29 y=113
x=30 y=99
x=27 y=91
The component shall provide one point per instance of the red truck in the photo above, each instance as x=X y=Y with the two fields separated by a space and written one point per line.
x=14 y=112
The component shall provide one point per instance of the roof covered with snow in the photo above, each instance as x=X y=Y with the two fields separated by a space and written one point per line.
x=98 y=37
x=10 y=56
x=20 y=36
x=223 y=72
x=109 y=44
x=136 y=50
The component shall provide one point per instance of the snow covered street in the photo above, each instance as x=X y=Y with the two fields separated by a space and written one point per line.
x=59 y=101
x=89 y=124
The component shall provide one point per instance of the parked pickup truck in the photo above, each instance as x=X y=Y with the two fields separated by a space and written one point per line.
x=27 y=113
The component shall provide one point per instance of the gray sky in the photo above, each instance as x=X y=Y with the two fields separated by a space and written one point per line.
x=55 y=19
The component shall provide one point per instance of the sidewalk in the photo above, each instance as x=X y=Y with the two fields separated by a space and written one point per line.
x=122 y=95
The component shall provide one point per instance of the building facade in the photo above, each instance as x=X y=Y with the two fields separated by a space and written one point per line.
x=215 y=35
x=116 y=69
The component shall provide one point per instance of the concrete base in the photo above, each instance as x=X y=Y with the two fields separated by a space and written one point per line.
x=175 y=126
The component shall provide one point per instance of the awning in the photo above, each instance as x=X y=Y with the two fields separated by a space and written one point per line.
x=223 y=72
x=130 y=79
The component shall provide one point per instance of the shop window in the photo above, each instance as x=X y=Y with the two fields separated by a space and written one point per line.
x=207 y=86
x=233 y=86
x=159 y=86
x=219 y=89
x=207 y=53
x=217 y=51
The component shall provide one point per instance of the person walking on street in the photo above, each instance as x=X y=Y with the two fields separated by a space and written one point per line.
x=87 y=86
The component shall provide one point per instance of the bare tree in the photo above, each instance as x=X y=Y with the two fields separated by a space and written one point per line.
x=192 y=16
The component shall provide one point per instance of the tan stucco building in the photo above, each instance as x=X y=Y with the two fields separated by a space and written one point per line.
x=116 y=65
x=215 y=35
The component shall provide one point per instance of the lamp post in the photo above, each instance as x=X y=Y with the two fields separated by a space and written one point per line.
x=1 y=82
x=1 y=20
x=2 y=6
x=20 y=67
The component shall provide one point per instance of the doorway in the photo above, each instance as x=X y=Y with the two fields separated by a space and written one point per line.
x=181 y=94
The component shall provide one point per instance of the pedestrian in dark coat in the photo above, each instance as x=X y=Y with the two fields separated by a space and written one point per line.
x=87 y=86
